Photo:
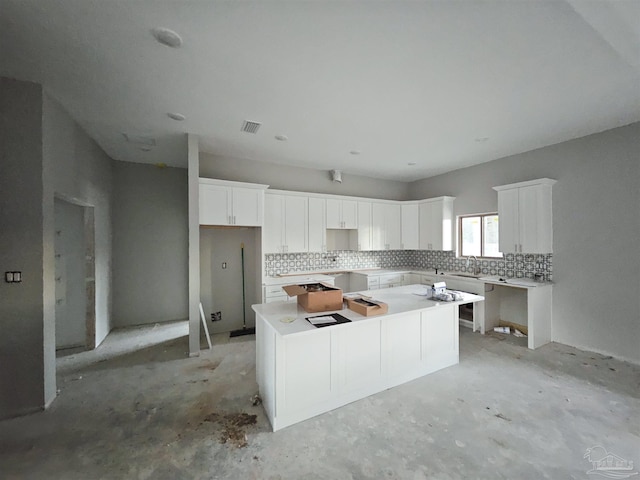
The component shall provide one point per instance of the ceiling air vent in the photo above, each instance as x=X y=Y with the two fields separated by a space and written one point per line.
x=250 y=127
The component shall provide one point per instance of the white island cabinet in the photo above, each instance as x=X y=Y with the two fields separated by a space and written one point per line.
x=303 y=371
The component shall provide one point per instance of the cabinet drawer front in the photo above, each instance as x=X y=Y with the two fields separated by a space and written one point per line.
x=391 y=279
x=373 y=282
x=273 y=290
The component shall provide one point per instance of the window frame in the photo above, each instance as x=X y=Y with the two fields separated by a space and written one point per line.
x=481 y=216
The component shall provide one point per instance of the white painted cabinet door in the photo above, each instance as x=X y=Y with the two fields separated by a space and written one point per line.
x=535 y=226
x=334 y=213
x=273 y=229
x=358 y=351
x=317 y=225
x=508 y=224
x=393 y=226
x=306 y=367
x=410 y=227
x=349 y=214
x=436 y=224
x=247 y=206
x=365 y=228
x=296 y=223
x=215 y=205
x=440 y=336
x=378 y=226
x=401 y=345
x=426 y=225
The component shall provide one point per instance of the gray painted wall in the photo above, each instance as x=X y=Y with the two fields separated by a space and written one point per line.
x=596 y=227
x=21 y=248
x=150 y=244
x=298 y=179
x=79 y=171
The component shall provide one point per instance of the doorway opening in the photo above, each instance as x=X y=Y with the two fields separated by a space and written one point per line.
x=75 y=312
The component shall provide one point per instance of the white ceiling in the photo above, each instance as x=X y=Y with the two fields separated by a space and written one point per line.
x=401 y=82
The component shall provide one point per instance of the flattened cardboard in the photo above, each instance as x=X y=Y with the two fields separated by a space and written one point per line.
x=316 y=297
x=367 y=310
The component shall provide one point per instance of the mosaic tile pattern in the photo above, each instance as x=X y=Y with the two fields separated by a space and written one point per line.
x=513 y=265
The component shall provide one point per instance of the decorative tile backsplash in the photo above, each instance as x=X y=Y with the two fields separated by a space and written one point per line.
x=513 y=265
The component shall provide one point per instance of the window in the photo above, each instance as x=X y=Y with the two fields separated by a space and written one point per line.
x=478 y=235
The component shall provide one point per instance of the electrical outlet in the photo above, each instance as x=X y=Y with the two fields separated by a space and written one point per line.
x=216 y=316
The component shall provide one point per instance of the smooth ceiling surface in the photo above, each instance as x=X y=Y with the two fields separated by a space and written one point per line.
x=442 y=84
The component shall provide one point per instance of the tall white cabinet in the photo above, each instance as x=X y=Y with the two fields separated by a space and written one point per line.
x=317 y=225
x=526 y=217
x=386 y=222
x=410 y=219
x=436 y=223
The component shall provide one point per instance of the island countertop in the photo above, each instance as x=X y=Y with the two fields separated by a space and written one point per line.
x=288 y=318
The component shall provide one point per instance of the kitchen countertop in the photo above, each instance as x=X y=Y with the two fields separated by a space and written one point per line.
x=288 y=318
x=491 y=279
x=298 y=278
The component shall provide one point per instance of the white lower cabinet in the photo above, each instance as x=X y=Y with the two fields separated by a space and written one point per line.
x=313 y=372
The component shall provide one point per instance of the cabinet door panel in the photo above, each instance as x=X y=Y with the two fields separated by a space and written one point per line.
x=334 y=214
x=378 y=226
x=273 y=229
x=359 y=355
x=296 y=223
x=317 y=225
x=214 y=205
x=535 y=212
x=365 y=228
x=247 y=206
x=307 y=370
x=425 y=220
x=439 y=333
x=350 y=213
x=508 y=224
x=410 y=227
x=402 y=344
x=393 y=225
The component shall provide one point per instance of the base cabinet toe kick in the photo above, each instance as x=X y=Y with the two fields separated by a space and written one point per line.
x=303 y=371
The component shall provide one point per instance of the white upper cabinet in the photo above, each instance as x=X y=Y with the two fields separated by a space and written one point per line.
x=436 y=223
x=410 y=226
x=386 y=225
x=365 y=233
x=286 y=224
x=342 y=213
x=525 y=217
x=317 y=225
x=231 y=203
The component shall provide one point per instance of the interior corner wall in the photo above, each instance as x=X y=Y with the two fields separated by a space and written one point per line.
x=150 y=244
x=596 y=227
x=21 y=248
x=79 y=171
x=299 y=179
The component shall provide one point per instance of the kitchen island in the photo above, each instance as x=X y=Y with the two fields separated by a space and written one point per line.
x=303 y=371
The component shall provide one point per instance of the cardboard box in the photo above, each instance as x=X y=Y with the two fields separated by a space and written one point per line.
x=316 y=297
x=367 y=307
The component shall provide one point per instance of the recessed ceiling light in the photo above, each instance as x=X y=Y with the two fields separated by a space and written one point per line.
x=176 y=116
x=481 y=139
x=167 y=37
x=411 y=164
x=281 y=138
x=355 y=152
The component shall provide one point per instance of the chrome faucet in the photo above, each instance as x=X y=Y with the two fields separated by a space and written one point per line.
x=476 y=268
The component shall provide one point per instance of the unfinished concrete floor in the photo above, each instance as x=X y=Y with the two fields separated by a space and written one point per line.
x=139 y=408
